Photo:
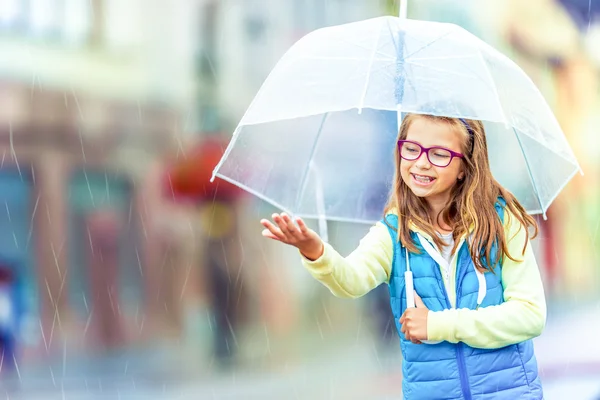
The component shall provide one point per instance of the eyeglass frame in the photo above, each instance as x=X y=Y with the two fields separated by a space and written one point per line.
x=425 y=150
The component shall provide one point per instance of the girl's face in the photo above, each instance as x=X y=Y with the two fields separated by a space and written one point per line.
x=423 y=178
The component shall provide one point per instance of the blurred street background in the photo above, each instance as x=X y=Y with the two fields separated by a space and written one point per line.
x=124 y=274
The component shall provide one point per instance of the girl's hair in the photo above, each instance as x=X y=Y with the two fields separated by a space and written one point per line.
x=472 y=199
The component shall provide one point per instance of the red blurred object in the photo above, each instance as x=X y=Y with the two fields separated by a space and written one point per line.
x=6 y=274
x=189 y=178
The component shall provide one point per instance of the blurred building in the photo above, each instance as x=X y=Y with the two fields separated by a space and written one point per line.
x=92 y=93
x=244 y=39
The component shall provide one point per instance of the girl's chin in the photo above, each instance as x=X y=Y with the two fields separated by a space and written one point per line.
x=420 y=192
x=422 y=189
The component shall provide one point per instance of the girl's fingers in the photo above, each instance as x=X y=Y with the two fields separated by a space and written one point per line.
x=285 y=229
x=290 y=226
x=280 y=223
x=267 y=233
x=273 y=229
x=268 y=224
x=302 y=226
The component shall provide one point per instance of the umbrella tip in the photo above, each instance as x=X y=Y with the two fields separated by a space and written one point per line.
x=403 y=9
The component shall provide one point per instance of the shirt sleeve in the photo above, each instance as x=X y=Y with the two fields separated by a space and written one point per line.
x=521 y=317
x=368 y=266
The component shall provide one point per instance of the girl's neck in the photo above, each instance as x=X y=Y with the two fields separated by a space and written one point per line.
x=435 y=209
x=443 y=231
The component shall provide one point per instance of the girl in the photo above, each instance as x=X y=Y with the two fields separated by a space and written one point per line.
x=465 y=240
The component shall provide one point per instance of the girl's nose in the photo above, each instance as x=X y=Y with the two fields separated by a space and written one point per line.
x=423 y=162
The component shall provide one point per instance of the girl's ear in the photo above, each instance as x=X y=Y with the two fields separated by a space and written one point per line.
x=461 y=175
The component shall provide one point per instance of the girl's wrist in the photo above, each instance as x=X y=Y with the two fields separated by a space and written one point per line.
x=313 y=255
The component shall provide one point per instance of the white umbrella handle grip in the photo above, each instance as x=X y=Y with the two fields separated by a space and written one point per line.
x=410 y=289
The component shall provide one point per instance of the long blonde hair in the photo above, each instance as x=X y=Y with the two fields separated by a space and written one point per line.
x=472 y=200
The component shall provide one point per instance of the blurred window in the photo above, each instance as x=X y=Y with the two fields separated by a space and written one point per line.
x=45 y=18
x=107 y=23
x=17 y=235
x=77 y=22
x=93 y=191
x=67 y=21
x=207 y=54
x=12 y=14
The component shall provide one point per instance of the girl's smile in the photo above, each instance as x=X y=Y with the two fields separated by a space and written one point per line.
x=422 y=180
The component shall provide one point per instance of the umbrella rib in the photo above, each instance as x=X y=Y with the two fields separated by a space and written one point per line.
x=254 y=192
x=357 y=75
x=393 y=37
x=304 y=180
x=456 y=73
x=368 y=78
x=555 y=195
x=225 y=155
x=427 y=45
x=537 y=195
x=420 y=49
x=437 y=58
x=506 y=119
x=391 y=57
x=493 y=83
x=366 y=48
x=344 y=58
x=285 y=209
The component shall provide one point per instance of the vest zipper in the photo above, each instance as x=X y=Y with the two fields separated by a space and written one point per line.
x=460 y=355
x=462 y=371
x=443 y=287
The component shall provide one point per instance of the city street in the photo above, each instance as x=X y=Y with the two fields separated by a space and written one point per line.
x=570 y=367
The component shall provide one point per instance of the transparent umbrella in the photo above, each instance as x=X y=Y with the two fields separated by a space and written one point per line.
x=318 y=138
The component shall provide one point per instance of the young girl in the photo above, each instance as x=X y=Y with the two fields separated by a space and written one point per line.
x=465 y=240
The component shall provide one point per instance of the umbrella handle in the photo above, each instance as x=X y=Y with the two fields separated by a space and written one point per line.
x=403 y=9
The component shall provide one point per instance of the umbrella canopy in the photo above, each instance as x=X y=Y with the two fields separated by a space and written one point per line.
x=317 y=140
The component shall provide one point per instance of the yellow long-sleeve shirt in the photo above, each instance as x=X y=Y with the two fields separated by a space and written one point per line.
x=522 y=316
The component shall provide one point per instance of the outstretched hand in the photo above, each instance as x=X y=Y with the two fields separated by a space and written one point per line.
x=414 y=321
x=295 y=234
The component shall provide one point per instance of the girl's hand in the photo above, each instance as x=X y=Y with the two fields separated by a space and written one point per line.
x=414 y=321
x=286 y=231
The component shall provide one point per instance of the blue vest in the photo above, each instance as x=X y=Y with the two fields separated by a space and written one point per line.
x=457 y=371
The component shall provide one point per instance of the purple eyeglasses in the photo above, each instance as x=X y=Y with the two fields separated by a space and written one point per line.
x=438 y=156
